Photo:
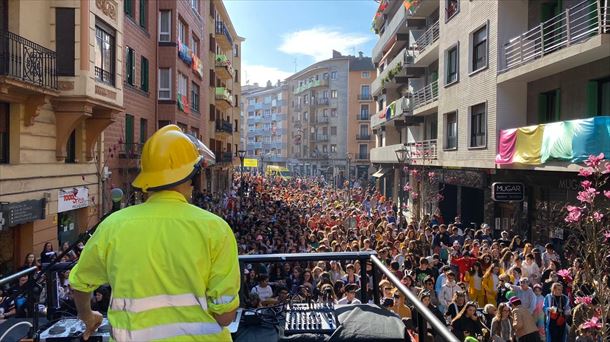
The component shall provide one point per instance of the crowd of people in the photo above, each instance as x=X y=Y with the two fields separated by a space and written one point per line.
x=485 y=285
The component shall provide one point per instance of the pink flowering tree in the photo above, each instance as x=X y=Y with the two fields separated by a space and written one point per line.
x=590 y=233
x=424 y=189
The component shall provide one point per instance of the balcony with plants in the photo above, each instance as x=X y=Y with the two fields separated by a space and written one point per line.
x=223 y=67
x=224 y=99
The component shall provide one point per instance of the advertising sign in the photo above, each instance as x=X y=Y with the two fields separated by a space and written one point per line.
x=507 y=192
x=250 y=162
x=71 y=199
x=12 y=214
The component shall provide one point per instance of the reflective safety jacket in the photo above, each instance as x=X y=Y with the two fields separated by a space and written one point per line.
x=171 y=266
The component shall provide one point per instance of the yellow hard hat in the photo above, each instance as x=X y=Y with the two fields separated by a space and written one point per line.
x=169 y=157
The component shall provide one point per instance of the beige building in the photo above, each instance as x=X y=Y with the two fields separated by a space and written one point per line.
x=61 y=85
x=471 y=70
x=223 y=95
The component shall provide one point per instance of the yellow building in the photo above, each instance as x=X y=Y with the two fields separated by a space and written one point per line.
x=61 y=80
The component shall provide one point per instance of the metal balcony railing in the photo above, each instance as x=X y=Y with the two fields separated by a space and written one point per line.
x=224 y=127
x=424 y=149
x=224 y=157
x=322 y=120
x=362 y=156
x=363 y=136
x=27 y=61
x=365 y=97
x=363 y=116
x=427 y=38
x=310 y=84
x=323 y=101
x=575 y=24
x=425 y=95
x=221 y=28
x=224 y=94
x=223 y=62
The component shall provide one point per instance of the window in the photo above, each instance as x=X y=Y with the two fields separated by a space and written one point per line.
x=479 y=49
x=333 y=112
x=325 y=94
x=365 y=91
x=128 y=6
x=182 y=85
x=195 y=44
x=104 y=52
x=364 y=112
x=71 y=149
x=143 y=130
x=165 y=26
x=478 y=126
x=333 y=130
x=598 y=97
x=365 y=74
x=451 y=131
x=236 y=50
x=195 y=97
x=549 y=106
x=333 y=94
x=144 y=73
x=364 y=130
x=128 y=132
x=182 y=31
x=195 y=5
x=333 y=75
x=144 y=13
x=130 y=58
x=451 y=65
x=452 y=7
x=362 y=151
x=64 y=41
x=325 y=76
x=4 y=132
x=165 y=84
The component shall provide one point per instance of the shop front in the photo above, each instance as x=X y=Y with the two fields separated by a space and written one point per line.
x=72 y=215
x=464 y=193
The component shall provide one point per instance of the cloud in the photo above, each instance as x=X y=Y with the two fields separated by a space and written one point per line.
x=318 y=42
x=261 y=74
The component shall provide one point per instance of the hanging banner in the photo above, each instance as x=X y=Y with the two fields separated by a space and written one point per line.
x=71 y=199
x=197 y=65
x=250 y=162
x=184 y=53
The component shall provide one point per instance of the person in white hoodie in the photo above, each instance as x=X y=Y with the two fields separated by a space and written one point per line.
x=449 y=288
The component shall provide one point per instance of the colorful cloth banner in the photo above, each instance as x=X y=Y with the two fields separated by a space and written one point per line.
x=197 y=65
x=183 y=103
x=184 y=53
x=572 y=140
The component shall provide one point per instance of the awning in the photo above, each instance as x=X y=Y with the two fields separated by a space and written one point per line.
x=380 y=173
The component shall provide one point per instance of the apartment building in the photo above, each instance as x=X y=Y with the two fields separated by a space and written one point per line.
x=501 y=86
x=267 y=123
x=322 y=96
x=223 y=95
x=359 y=106
x=123 y=140
x=61 y=86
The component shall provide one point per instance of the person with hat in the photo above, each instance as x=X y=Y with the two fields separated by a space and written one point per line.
x=350 y=295
x=172 y=267
x=523 y=322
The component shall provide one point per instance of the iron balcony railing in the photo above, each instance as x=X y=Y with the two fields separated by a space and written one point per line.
x=223 y=93
x=575 y=24
x=221 y=28
x=363 y=136
x=27 y=61
x=424 y=149
x=425 y=95
x=224 y=157
x=363 y=116
x=310 y=84
x=362 y=156
x=323 y=101
x=224 y=126
x=223 y=62
x=322 y=120
x=365 y=97
x=429 y=37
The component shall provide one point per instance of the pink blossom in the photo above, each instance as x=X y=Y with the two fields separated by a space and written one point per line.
x=607 y=194
x=607 y=170
x=585 y=172
x=593 y=161
x=574 y=214
x=607 y=235
x=594 y=323
x=565 y=274
x=587 y=196
x=597 y=216
x=407 y=188
x=431 y=174
x=586 y=184
x=584 y=300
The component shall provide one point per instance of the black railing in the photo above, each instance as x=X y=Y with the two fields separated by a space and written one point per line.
x=221 y=28
x=363 y=116
x=104 y=76
x=363 y=137
x=365 y=97
x=224 y=127
x=27 y=61
x=362 y=156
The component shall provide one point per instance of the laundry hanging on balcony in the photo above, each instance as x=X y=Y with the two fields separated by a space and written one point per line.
x=184 y=53
x=197 y=65
x=572 y=140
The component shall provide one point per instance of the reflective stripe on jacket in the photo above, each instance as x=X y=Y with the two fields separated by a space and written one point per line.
x=171 y=266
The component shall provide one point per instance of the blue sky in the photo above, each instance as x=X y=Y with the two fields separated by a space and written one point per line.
x=278 y=32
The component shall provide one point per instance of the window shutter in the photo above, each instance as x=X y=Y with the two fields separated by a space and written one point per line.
x=592 y=98
x=143 y=13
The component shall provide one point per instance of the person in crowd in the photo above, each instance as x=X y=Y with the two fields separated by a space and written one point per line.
x=526 y=294
x=48 y=254
x=457 y=304
x=474 y=279
x=523 y=322
x=30 y=261
x=263 y=289
x=502 y=324
x=530 y=269
x=549 y=255
x=539 y=311
x=424 y=297
x=489 y=312
x=448 y=291
x=557 y=310
x=467 y=322
x=351 y=277
x=350 y=295
x=490 y=282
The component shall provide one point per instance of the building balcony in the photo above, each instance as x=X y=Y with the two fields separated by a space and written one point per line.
x=576 y=36
x=396 y=72
x=223 y=36
x=362 y=156
x=365 y=97
x=322 y=120
x=311 y=85
x=224 y=128
x=325 y=101
x=385 y=154
x=423 y=150
x=401 y=108
x=319 y=137
x=224 y=157
x=558 y=143
x=421 y=8
x=223 y=67
x=224 y=99
x=363 y=116
x=426 y=98
x=255 y=145
x=27 y=65
x=363 y=137
x=425 y=48
x=396 y=25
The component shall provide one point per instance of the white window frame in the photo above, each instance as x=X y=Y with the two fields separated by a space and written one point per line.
x=471 y=70
x=182 y=89
x=485 y=115
x=195 y=45
x=333 y=75
x=162 y=34
x=182 y=31
x=446 y=131
x=365 y=74
x=455 y=46
x=334 y=94
x=169 y=88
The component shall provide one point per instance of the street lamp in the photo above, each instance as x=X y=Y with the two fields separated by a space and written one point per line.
x=402 y=154
x=241 y=154
x=116 y=195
